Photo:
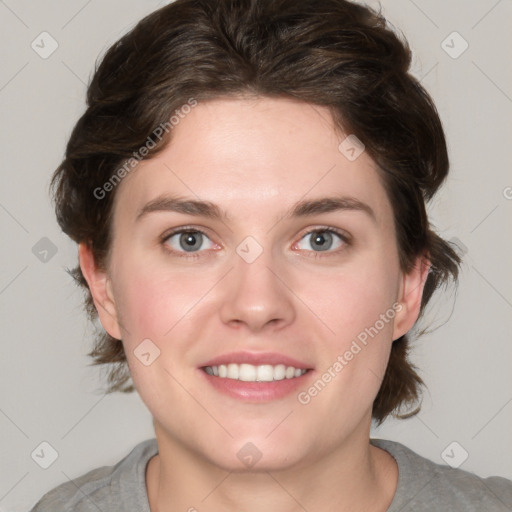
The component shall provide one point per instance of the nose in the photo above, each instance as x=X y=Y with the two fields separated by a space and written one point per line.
x=256 y=297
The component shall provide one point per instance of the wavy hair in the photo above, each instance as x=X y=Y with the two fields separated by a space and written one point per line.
x=331 y=53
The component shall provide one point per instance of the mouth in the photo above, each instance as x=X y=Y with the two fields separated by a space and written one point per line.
x=255 y=377
x=251 y=373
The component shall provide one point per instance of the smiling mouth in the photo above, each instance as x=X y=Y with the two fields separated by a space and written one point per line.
x=251 y=373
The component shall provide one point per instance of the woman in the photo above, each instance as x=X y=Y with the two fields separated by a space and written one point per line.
x=247 y=188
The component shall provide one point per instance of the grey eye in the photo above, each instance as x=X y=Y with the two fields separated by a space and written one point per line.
x=320 y=240
x=189 y=241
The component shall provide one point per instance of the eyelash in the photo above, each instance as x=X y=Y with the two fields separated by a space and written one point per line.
x=182 y=230
x=345 y=238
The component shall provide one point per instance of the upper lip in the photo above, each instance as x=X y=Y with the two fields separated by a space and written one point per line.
x=256 y=359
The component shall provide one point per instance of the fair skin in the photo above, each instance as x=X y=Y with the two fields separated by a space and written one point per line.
x=305 y=297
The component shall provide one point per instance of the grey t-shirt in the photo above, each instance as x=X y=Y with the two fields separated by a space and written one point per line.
x=422 y=486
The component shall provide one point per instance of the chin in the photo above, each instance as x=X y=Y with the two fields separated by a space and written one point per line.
x=258 y=454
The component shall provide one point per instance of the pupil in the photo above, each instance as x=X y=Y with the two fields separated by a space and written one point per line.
x=322 y=240
x=190 y=241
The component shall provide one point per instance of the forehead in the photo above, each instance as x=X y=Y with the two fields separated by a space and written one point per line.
x=263 y=153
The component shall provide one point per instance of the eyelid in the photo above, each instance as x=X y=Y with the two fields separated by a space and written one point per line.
x=186 y=229
x=182 y=229
x=346 y=237
x=342 y=234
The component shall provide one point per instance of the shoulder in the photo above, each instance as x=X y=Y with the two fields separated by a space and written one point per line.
x=425 y=485
x=104 y=488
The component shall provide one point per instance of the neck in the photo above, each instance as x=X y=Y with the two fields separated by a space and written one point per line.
x=355 y=476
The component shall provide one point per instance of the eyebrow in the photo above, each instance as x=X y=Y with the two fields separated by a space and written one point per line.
x=210 y=210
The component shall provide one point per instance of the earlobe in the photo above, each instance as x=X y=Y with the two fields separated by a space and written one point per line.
x=410 y=295
x=101 y=290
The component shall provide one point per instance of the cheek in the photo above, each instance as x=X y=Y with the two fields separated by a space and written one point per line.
x=357 y=306
x=353 y=300
x=158 y=305
x=152 y=302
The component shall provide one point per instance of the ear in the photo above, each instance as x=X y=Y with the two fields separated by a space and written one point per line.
x=101 y=290
x=409 y=296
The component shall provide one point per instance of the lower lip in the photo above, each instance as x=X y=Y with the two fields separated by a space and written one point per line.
x=257 y=391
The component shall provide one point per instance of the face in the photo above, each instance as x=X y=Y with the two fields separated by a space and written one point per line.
x=255 y=283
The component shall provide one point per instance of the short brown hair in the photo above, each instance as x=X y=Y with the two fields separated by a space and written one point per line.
x=331 y=53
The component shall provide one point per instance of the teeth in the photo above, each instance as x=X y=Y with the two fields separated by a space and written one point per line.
x=251 y=373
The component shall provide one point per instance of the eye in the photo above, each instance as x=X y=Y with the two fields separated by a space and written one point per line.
x=321 y=240
x=189 y=240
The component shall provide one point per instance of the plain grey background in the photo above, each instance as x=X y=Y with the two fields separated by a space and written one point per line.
x=50 y=394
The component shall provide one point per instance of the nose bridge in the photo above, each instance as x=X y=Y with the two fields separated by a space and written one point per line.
x=255 y=296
